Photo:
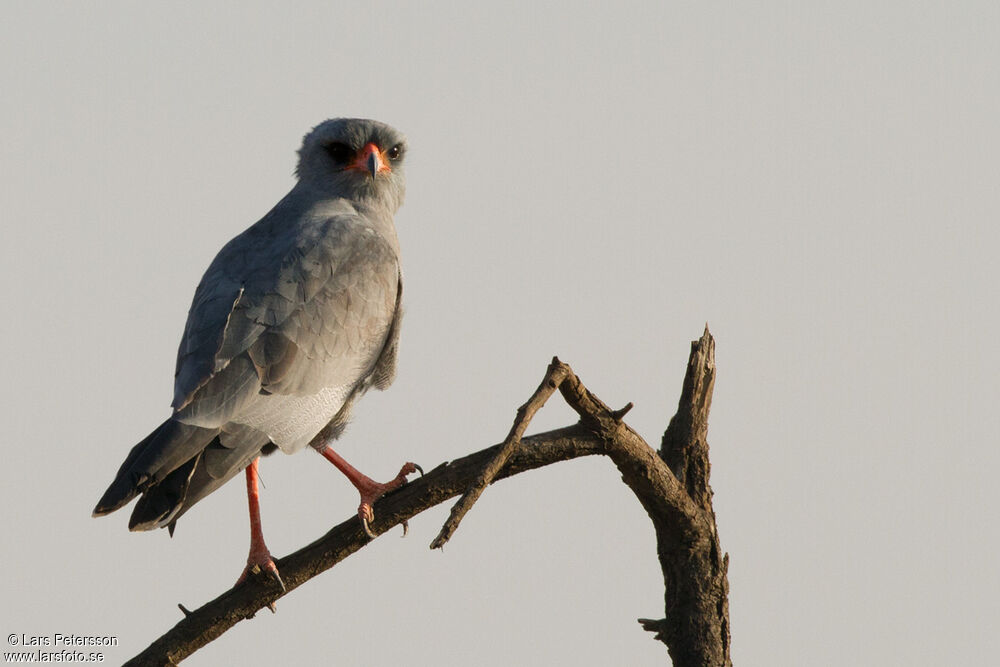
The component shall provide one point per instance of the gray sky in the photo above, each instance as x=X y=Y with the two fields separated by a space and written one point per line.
x=817 y=181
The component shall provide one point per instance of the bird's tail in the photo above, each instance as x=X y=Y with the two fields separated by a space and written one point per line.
x=164 y=460
x=162 y=505
x=174 y=467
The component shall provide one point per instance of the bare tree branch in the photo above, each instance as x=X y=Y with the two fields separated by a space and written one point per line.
x=672 y=486
x=202 y=625
x=553 y=378
x=695 y=627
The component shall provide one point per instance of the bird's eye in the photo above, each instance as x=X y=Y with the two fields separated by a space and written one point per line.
x=395 y=152
x=340 y=153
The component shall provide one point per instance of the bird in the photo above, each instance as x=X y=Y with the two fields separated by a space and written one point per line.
x=294 y=320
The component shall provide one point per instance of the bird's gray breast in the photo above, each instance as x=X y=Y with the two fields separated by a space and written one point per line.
x=305 y=329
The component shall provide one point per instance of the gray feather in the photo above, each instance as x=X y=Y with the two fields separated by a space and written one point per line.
x=294 y=319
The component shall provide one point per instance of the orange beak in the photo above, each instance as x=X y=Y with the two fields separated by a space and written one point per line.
x=370 y=160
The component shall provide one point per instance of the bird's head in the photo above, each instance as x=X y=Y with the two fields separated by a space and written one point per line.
x=355 y=158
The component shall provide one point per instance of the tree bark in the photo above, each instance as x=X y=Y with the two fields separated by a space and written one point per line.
x=695 y=627
x=671 y=484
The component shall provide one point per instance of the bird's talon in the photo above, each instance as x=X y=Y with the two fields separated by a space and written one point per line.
x=419 y=469
x=406 y=527
x=274 y=573
x=366 y=515
x=261 y=562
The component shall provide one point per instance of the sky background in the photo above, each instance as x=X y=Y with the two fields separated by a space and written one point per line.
x=816 y=181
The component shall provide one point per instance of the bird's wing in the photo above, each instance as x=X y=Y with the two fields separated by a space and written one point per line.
x=242 y=259
x=385 y=368
x=314 y=314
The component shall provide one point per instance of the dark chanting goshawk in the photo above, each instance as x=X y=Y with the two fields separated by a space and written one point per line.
x=294 y=319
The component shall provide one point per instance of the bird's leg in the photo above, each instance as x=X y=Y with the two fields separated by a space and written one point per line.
x=259 y=558
x=369 y=489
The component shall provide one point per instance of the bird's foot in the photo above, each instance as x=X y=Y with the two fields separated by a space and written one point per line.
x=371 y=491
x=260 y=561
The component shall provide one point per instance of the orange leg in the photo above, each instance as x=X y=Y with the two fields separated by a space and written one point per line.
x=369 y=489
x=259 y=558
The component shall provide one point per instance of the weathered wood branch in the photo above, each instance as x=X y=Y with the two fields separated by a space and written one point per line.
x=671 y=484
x=202 y=625
x=553 y=378
x=695 y=627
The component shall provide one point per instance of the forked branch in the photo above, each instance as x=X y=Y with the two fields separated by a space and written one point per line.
x=672 y=486
x=553 y=378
